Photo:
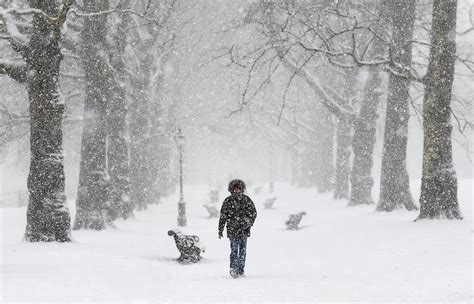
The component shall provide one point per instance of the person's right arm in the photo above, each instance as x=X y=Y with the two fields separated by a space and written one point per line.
x=223 y=217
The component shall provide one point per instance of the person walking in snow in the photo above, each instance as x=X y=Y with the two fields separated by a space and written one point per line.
x=238 y=213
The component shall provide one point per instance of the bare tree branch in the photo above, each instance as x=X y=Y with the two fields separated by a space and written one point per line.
x=17 y=71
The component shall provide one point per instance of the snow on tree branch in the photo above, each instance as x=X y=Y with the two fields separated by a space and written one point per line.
x=120 y=9
x=327 y=95
x=12 y=23
x=13 y=69
x=10 y=26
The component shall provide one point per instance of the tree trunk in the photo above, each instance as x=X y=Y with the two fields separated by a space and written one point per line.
x=343 y=142
x=343 y=154
x=325 y=153
x=48 y=217
x=363 y=141
x=296 y=164
x=92 y=197
x=394 y=182
x=155 y=152
x=438 y=198
x=364 y=125
x=117 y=152
x=146 y=113
x=159 y=148
x=308 y=168
x=160 y=154
x=140 y=138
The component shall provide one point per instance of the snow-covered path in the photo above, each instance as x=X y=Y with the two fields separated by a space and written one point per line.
x=341 y=254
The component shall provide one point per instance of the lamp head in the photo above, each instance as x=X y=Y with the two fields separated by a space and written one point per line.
x=179 y=138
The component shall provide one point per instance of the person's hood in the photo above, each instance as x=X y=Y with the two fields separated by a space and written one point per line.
x=234 y=183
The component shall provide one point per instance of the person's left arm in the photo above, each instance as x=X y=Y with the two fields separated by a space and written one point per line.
x=251 y=213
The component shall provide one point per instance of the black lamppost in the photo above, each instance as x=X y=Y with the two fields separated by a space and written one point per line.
x=179 y=138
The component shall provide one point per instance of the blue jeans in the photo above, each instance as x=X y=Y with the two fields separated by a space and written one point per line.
x=238 y=248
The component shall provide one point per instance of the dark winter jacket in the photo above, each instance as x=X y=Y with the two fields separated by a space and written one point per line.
x=239 y=213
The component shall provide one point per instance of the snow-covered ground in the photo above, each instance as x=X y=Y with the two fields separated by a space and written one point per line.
x=341 y=254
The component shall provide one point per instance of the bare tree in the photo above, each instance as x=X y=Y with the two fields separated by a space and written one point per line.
x=117 y=149
x=364 y=137
x=140 y=125
x=324 y=137
x=161 y=129
x=48 y=217
x=438 y=198
x=302 y=37
x=93 y=193
x=152 y=47
x=394 y=183
x=343 y=137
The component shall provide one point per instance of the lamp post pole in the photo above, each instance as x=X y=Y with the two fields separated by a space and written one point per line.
x=181 y=204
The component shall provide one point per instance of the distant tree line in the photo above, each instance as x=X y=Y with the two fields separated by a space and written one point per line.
x=335 y=49
x=116 y=53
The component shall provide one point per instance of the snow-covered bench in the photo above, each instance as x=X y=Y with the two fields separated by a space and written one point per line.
x=213 y=211
x=214 y=196
x=269 y=202
x=294 y=220
x=188 y=245
x=258 y=189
